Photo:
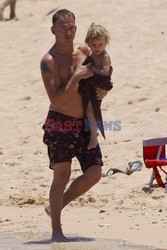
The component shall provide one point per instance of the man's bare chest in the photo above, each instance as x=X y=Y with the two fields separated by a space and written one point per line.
x=67 y=65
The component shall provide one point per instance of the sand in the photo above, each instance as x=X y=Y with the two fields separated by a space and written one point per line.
x=119 y=212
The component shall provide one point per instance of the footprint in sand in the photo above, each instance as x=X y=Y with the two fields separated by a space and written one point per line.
x=91 y=200
x=128 y=140
x=37 y=152
x=27 y=98
x=25 y=140
x=142 y=99
x=137 y=87
x=157 y=109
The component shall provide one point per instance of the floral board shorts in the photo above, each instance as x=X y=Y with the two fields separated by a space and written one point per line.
x=66 y=138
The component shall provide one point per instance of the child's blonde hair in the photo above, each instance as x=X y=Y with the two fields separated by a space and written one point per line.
x=97 y=31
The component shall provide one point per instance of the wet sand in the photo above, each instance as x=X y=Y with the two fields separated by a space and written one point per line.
x=29 y=228
x=30 y=241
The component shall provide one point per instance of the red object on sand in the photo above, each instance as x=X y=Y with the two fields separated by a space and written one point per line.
x=155 y=157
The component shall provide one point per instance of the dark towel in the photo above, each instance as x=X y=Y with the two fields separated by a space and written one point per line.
x=87 y=91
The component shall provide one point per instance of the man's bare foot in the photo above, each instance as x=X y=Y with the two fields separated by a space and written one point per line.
x=47 y=210
x=92 y=143
x=59 y=238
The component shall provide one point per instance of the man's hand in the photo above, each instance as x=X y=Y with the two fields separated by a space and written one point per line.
x=100 y=93
x=83 y=71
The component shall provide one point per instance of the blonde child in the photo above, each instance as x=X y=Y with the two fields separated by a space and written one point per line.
x=97 y=39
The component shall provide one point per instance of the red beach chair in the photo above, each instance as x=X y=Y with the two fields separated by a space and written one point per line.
x=155 y=157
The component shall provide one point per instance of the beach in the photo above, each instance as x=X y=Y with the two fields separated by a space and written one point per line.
x=120 y=212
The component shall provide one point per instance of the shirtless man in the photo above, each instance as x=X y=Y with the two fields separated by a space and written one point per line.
x=62 y=70
x=12 y=4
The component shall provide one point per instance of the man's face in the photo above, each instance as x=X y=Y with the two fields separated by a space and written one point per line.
x=64 y=29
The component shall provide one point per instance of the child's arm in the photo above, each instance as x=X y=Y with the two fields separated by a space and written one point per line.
x=106 y=64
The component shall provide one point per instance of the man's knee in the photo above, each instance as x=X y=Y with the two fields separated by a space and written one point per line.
x=59 y=185
x=93 y=174
x=62 y=172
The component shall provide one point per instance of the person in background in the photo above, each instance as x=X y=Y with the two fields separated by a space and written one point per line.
x=12 y=4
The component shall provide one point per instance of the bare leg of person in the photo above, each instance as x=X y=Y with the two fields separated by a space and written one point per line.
x=1 y=14
x=80 y=185
x=92 y=125
x=61 y=177
x=12 y=9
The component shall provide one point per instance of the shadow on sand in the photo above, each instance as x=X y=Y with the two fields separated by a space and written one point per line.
x=48 y=241
x=30 y=241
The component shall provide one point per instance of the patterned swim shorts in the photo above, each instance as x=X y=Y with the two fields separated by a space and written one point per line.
x=66 y=138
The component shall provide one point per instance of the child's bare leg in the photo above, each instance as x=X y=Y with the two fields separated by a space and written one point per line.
x=92 y=125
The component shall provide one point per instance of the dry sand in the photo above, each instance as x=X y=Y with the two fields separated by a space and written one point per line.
x=118 y=213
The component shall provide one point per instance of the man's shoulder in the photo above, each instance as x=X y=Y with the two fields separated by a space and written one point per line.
x=47 y=57
x=47 y=63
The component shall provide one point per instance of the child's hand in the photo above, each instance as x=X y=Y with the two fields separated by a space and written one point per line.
x=100 y=93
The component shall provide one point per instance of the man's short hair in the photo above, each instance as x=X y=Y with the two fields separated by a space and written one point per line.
x=62 y=12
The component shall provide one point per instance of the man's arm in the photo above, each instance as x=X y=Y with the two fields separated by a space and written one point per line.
x=58 y=94
x=47 y=71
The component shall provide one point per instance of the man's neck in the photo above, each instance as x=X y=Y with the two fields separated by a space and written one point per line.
x=65 y=49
